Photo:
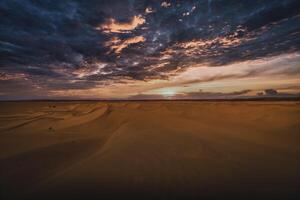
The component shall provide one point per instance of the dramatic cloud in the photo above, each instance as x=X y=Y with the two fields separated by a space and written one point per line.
x=117 y=45
x=116 y=27
x=54 y=45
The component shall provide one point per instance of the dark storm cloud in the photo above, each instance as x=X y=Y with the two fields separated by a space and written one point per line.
x=100 y=40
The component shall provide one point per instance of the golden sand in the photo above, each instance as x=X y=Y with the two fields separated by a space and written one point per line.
x=149 y=150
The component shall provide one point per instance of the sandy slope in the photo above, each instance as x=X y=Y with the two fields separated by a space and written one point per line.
x=153 y=150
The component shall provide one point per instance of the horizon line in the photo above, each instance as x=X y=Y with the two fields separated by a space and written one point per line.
x=204 y=99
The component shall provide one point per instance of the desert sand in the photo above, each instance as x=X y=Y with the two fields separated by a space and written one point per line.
x=150 y=150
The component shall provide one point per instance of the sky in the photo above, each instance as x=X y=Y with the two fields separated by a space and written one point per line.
x=149 y=49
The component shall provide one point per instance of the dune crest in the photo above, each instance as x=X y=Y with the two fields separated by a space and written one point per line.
x=57 y=119
x=168 y=150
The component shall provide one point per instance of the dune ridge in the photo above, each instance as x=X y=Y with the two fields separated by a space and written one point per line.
x=149 y=150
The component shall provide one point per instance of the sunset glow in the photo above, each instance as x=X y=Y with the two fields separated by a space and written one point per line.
x=129 y=50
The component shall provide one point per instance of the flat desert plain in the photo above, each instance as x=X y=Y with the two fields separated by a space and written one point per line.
x=150 y=150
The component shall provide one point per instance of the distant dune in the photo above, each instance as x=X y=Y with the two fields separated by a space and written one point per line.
x=150 y=150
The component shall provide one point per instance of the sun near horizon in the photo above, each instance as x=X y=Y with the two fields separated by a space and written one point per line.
x=149 y=99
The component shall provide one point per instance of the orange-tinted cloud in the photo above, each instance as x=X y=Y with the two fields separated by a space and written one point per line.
x=12 y=76
x=96 y=68
x=118 y=45
x=112 y=26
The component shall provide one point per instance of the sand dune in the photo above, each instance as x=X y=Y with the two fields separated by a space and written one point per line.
x=150 y=150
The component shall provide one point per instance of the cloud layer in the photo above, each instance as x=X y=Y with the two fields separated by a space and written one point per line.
x=56 y=45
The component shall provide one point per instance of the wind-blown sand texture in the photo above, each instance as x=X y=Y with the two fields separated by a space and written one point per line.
x=150 y=150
